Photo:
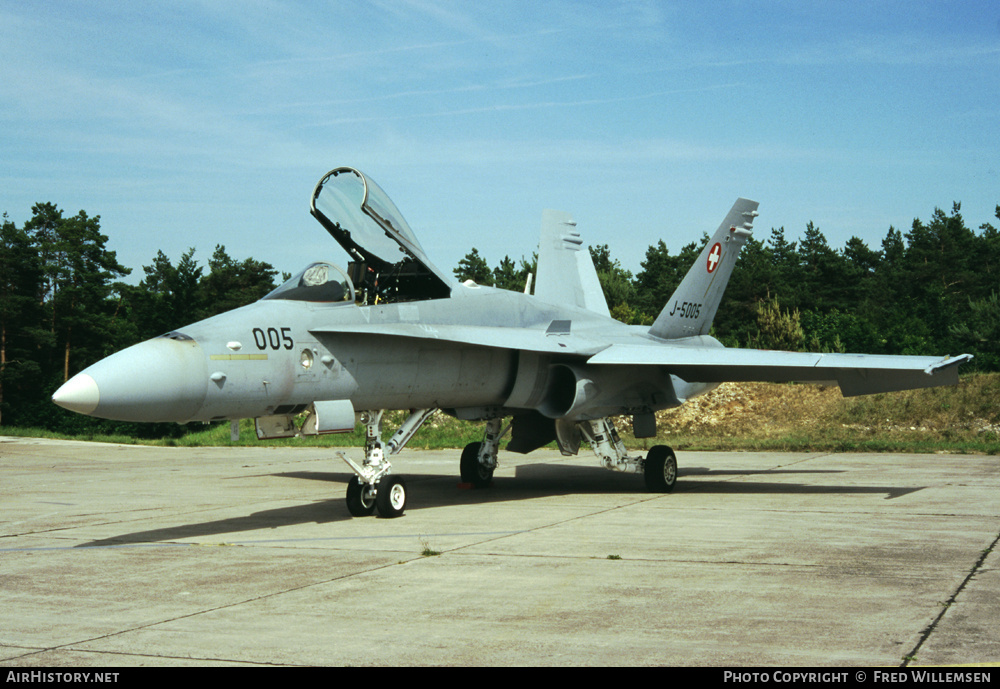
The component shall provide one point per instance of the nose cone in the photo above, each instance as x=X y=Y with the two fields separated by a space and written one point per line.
x=157 y=380
x=79 y=394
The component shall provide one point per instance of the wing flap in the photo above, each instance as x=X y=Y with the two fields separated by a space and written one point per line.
x=856 y=374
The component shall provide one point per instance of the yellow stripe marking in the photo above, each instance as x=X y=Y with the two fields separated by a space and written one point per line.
x=238 y=357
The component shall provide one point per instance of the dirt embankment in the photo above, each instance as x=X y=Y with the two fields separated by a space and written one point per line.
x=748 y=408
x=969 y=410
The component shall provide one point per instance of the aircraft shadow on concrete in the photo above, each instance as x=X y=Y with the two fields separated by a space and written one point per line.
x=318 y=512
x=429 y=491
x=537 y=478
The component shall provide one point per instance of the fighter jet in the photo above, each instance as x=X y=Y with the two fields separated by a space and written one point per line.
x=331 y=348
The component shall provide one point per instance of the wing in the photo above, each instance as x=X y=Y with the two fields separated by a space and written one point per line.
x=566 y=273
x=553 y=339
x=856 y=374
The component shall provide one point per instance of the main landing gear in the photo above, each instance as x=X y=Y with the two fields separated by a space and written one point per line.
x=479 y=460
x=373 y=488
x=659 y=468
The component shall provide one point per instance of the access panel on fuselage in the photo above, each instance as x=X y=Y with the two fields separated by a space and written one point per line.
x=407 y=373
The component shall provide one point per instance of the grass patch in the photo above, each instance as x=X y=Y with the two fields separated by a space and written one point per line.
x=427 y=550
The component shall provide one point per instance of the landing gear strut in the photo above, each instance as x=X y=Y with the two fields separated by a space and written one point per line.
x=373 y=487
x=608 y=447
x=479 y=460
x=659 y=468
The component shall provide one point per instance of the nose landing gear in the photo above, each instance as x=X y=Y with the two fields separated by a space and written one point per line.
x=373 y=488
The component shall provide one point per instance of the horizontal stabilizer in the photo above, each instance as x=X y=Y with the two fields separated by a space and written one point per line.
x=856 y=374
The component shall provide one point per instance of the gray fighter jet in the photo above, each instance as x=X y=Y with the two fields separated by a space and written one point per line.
x=330 y=348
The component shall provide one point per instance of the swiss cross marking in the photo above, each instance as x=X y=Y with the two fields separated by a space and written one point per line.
x=713 y=257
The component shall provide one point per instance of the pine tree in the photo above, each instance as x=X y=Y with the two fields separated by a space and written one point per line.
x=20 y=314
x=79 y=272
x=474 y=267
x=777 y=329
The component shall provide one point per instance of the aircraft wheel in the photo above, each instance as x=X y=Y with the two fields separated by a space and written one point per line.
x=390 y=498
x=472 y=471
x=660 y=469
x=360 y=501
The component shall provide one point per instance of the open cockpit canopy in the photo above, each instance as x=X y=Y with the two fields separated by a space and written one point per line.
x=389 y=263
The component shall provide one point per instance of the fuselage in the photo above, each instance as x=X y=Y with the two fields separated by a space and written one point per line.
x=277 y=356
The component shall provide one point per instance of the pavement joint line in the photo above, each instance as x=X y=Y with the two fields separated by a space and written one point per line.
x=167 y=544
x=560 y=522
x=197 y=613
x=926 y=633
x=32 y=650
x=820 y=455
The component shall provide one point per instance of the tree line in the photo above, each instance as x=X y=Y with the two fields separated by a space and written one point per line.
x=931 y=290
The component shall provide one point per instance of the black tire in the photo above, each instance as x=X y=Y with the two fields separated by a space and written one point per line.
x=390 y=498
x=472 y=471
x=360 y=502
x=660 y=469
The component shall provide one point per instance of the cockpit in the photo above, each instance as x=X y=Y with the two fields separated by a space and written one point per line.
x=319 y=282
x=389 y=264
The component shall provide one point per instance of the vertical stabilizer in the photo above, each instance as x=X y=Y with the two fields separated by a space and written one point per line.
x=566 y=273
x=692 y=307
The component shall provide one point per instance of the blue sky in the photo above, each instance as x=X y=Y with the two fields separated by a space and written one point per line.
x=190 y=124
